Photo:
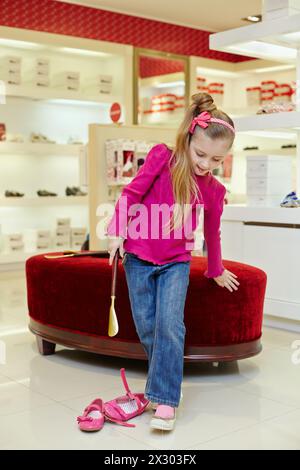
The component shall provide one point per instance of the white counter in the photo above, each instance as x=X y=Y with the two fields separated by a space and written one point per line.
x=244 y=213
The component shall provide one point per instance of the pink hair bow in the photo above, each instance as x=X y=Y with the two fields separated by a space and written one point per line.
x=201 y=120
x=204 y=118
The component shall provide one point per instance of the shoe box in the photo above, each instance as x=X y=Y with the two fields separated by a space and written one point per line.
x=10 y=70
x=268 y=178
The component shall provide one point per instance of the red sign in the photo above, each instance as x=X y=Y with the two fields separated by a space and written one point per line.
x=115 y=112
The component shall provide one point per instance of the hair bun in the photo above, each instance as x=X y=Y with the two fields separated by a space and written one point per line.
x=204 y=101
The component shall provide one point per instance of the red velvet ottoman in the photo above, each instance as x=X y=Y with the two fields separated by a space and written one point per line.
x=69 y=301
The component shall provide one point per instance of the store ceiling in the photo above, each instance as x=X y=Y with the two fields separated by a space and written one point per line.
x=210 y=15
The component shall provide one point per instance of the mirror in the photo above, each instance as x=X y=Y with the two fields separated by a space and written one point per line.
x=161 y=87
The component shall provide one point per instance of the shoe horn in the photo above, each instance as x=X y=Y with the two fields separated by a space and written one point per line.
x=113 y=326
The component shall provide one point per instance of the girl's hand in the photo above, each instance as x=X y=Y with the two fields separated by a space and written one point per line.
x=227 y=279
x=113 y=244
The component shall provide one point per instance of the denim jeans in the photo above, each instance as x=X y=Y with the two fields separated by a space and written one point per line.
x=157 y=296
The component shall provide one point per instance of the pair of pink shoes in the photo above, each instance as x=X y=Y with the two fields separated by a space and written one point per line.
x=119 y=410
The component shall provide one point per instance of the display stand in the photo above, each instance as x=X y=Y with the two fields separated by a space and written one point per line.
x=98 y=184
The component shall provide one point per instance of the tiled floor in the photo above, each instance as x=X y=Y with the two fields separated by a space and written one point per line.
x=252 y=404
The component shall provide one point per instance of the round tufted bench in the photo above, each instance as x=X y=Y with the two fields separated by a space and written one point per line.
x=69 y=301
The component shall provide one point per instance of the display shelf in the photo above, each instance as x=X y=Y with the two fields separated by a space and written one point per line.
x=43 y=201
x=28 y=148
x=285 y=121
x=268 y=151
x=87 y=57
x=236 y=78
x=267 y=236
x=276 y=39
x=54 y=95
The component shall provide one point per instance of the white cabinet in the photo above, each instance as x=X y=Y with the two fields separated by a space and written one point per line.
x=274 y=249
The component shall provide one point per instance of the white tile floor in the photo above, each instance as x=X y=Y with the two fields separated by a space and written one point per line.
x=252 y=404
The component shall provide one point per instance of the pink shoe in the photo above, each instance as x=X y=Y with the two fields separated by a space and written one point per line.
x=93 y=417
x=164 y=418
x=125 y=407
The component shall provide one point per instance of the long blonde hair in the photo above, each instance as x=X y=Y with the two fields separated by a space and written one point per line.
x=181 y=168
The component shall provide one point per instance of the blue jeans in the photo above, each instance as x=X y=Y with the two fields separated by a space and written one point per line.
x=157 y=296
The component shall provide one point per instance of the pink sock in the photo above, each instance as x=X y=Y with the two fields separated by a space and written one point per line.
x=164 y=411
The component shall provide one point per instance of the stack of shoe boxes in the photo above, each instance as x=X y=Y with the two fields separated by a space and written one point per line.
x=43 y=239
x=37 y=239
x=78 y=235
x=15 y=242
x=68 y=81
x=62 y=236
x=100 y=84
x=269 y=178
x=41 y=72
x=10 y=70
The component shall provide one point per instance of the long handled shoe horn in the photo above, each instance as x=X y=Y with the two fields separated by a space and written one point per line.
x=113 y=326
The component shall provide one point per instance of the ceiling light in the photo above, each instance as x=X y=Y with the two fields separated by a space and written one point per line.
x=252 y=18
x=71 y=50
x=20 y=44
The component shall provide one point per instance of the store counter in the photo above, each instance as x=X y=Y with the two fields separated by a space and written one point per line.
x=269 y=238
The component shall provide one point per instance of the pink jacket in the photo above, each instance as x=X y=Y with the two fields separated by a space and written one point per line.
x=153 y=185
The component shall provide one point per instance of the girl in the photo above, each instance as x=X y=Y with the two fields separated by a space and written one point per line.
x=157 y=266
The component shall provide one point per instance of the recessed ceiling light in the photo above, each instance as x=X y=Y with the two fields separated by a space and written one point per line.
x=252 y=18
x=20 y=44
x=86 y=52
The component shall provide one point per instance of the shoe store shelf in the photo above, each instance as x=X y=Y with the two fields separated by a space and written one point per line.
x=276 y=39
x=28 y=148
x=43 y=201
x=285 y=121
x=60 y=96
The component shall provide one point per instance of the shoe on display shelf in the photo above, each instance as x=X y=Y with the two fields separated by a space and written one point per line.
x=290 y=200
x=74 y=191
x=40 y=139
x=44 y=192
x=9 y=193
